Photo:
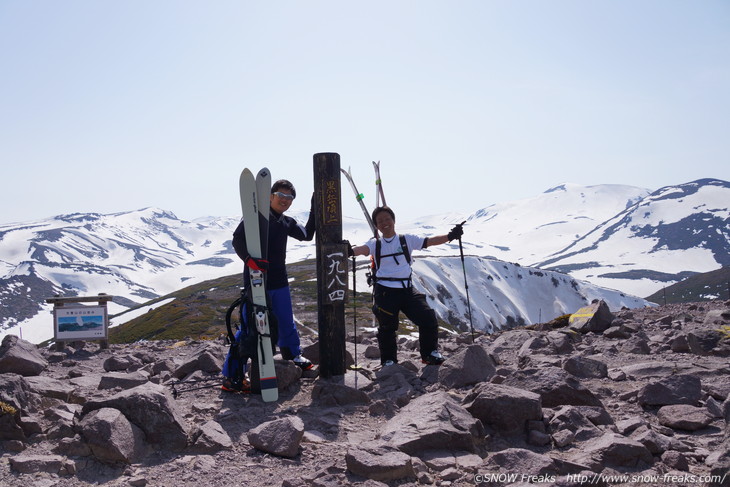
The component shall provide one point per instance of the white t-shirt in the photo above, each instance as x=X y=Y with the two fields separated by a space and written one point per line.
x=395 y=266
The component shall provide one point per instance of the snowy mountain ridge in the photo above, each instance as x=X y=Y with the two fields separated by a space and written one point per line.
x=579 y=230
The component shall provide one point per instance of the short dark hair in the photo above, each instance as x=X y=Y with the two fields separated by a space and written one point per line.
x=381 y=209
x=283 y=183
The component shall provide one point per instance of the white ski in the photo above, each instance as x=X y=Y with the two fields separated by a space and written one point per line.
x=379 y=194
x=255 y=208
x=359 y=197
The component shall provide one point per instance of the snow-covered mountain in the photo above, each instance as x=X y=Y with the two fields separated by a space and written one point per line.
x=670 y=234
x=527 y=230
x=503 y=294
x=134 y=256
x=584 y=231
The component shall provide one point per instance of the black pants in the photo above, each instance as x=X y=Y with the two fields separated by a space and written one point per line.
x=389 y=302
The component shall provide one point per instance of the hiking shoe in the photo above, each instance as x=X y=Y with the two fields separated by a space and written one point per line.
x=388 y=363
x=434 y=359
x=303 y=363
x=243 y=387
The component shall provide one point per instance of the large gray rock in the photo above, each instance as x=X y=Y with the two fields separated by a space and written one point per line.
x=614 y=451
x=210 y=438
x=676 y=389
x=10 y=428
x=18 y=356
x=596 y=317
x=539 y=344
x=49 y=387
x=572 y=419
x=14 y=396
x=151 y=408
x=684 y=417
x=379 y=462
x=708 y=342
x=14 y=390
x=721 y=468
x=122 y=363
x=531 y=467
x=123 y=380
x=563 y=341
x=393 y=384
x=466 y=368
x=555 y=386
x=434 y=421
x=585 y=367
x=655 y=369
x=636 y=344
x=506 y=409
x=202 y=359
x=331 y=393
x=29 y=463
x=655 y=442
x=717 y=317
x=281 y=437
x=112 y=437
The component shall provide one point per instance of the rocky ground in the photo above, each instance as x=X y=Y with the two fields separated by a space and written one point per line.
x=633 y=397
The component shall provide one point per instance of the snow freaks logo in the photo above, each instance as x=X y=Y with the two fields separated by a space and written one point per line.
x=601 y=479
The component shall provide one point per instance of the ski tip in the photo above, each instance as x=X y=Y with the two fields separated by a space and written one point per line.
x=264 y=172
x=245 y=174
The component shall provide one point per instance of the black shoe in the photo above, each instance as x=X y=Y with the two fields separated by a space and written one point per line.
x=303 y=363
x=242 y=387
x=434 y=359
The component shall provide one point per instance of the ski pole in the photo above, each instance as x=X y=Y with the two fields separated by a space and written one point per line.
x=354 y=312
x=466 y=285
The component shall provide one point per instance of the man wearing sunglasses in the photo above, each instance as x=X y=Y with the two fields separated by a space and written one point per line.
x=277 y=281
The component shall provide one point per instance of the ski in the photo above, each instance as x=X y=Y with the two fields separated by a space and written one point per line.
x=379 y=194
x=359 y=197
x=255 y=208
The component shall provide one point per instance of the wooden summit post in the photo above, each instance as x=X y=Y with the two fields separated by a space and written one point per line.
x=331 y=264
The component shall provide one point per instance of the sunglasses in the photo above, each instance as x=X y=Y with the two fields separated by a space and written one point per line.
x=284 y=195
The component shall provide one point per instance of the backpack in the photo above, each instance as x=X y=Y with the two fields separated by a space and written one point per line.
x=375 y=263
x=244 y=343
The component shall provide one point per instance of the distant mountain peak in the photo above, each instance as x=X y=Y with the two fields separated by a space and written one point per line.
x=560 y=187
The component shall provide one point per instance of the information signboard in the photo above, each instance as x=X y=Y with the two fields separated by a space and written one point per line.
x=80 y=322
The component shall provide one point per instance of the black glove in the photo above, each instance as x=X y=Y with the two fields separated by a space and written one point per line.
x=455 y=232
x=350 y=250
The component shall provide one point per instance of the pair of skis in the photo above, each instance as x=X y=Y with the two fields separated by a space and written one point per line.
x=379 y=195
x=255 y=204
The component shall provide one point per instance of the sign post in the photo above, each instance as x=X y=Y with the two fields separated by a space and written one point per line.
x=74 y=321
x=331 y=264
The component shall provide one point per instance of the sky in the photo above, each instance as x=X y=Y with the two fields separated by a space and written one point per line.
x=116 y=106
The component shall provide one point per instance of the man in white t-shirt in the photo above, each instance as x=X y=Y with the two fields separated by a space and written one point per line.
x=393 y=291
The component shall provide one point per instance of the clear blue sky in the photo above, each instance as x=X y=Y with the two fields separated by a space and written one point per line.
x=115 y=106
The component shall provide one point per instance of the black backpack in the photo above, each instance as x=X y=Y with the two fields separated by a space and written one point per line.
x=406 y=253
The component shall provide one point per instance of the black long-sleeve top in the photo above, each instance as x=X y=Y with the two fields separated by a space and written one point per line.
x=280 y=228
